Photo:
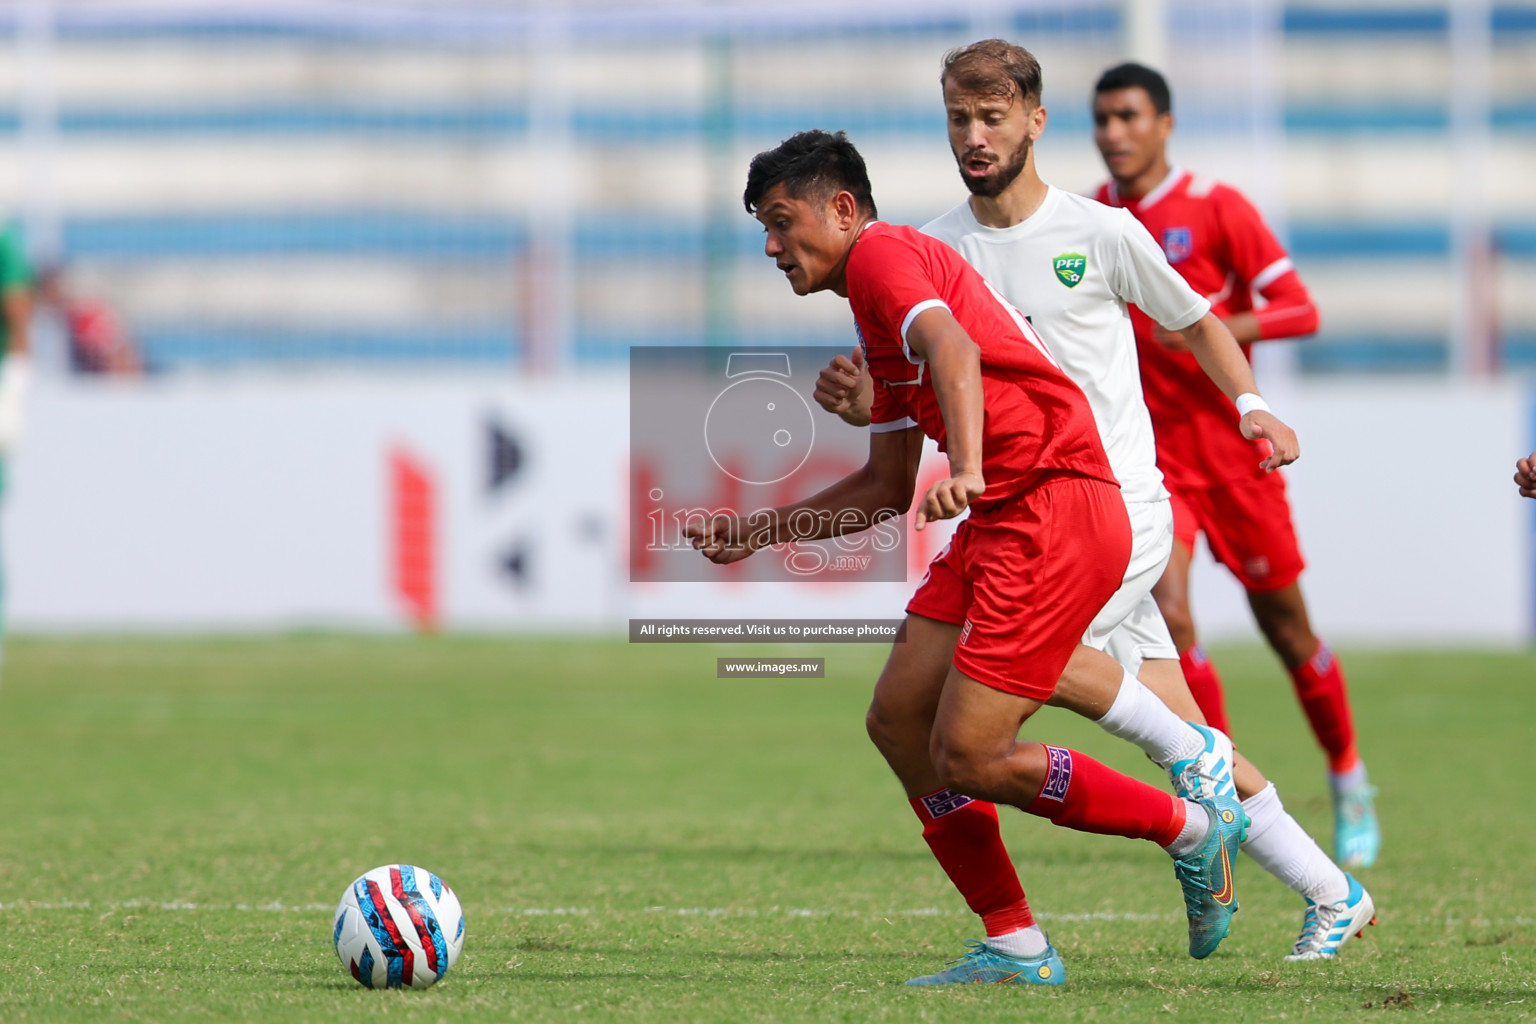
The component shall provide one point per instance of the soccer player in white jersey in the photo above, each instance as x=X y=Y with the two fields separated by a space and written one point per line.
x=1071 y=265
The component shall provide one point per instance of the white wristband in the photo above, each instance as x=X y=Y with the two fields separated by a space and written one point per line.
x=1248 y=402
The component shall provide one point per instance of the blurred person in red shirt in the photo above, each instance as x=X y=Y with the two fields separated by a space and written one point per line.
x=99 y=342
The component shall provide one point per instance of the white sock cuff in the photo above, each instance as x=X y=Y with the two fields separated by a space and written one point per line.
x=1197 y=825
x=1138 y=715
x=1126 y=700
x=1264 y=809
x=1027 y=942
x=1352 y=779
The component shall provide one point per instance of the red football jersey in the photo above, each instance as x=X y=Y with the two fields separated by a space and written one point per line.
x=1037 y=421
x=1214 y=237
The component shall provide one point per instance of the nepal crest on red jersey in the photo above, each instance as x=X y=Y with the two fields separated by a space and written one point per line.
x=1178 y=243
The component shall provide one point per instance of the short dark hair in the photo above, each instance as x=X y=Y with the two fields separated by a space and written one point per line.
x=996 y=67
x=811 y=165
x=1137 y=76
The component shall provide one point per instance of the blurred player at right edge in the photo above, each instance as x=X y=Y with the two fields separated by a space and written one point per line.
x=1525 y=475
x=1214 y=237
x=15 y=350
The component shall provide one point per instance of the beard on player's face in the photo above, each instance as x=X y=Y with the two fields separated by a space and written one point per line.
x=996 y=183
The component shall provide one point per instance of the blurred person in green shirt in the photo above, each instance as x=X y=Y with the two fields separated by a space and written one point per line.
x=15 y=342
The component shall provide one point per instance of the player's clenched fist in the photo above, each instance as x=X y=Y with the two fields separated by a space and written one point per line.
x=723 y=540
x=949 y=497
x=1525 y=475
x=1261 y=424
x=845 y=387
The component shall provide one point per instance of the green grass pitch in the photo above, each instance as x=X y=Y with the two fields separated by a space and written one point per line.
x=635 y=839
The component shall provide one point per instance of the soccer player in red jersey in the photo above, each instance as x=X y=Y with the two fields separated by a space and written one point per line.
x=1214 y=237
x=1000 y=613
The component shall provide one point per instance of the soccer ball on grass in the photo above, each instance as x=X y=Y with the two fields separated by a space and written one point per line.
x=399 y=926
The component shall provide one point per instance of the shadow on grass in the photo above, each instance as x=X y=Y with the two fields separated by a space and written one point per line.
x=1313 y=982
x=730 y=969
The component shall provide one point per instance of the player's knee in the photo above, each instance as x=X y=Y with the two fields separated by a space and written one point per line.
x=880 y=725
x=896 y=729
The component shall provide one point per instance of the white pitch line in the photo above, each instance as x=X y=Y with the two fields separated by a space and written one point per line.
x=278 y=906
x=270 y=907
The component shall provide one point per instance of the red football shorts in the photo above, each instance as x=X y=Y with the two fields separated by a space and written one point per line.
x=1247 y=523
x=1024 y=580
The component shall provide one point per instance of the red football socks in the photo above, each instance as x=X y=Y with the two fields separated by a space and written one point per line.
x=1205 y=686
x=1083 y=794
x=963 y=835
x=1320 y=688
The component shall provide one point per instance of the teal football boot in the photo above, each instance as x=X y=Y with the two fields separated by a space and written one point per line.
x=1356 y=835
x=1206 y=876
x=983 y=965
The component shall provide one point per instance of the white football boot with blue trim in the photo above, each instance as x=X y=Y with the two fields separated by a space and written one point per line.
x=1328 y=926
x=1207 y=775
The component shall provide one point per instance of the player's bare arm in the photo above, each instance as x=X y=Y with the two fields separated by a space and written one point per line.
x=1288 y=313
x=1525 y=475
x=880 y=490
x=845 y=387
x=1244 y=327
x=16 y=308
x=955 y=362
x=1223 y=361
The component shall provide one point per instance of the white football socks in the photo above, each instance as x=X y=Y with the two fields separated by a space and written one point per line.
x=1139 y=716
x=1279 y=845
x=1197 y=825
x=1026 y=943
x=1343 y=782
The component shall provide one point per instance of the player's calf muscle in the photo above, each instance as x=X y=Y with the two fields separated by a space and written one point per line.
x=1011 y=776
x=1164 y=677
x=903 y=740
x=1282 y=616
x=975 y=749
x=906 y=699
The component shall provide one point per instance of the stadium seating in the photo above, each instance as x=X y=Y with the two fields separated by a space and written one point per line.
x=283 y=193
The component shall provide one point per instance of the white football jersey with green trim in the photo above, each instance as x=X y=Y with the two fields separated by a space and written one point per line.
x=1071 y=268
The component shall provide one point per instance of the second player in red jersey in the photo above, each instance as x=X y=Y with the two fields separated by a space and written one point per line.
x=1219 y=243
x=1216 y=239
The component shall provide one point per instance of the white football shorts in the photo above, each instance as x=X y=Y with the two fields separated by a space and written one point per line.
x=1129 y=628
